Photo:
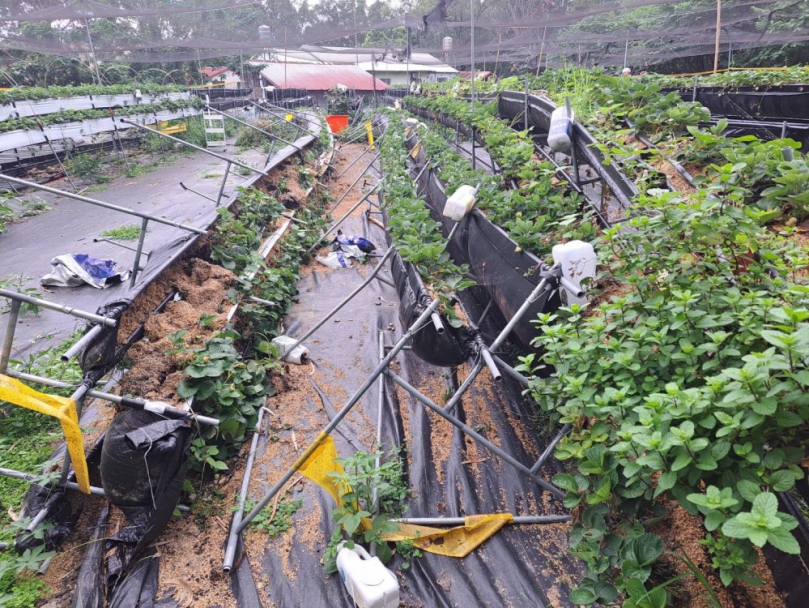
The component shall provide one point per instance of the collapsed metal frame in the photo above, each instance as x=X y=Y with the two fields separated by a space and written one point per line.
x=229 y=161
x=79 y=394
x=551 y=280
x=145 y=217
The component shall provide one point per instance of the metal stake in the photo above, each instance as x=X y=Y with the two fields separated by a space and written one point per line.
x=11 y=328
x=233 y=536
x=136 y=265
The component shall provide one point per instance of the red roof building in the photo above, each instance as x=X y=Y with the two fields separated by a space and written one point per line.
x=211 y=73
x=317 y=77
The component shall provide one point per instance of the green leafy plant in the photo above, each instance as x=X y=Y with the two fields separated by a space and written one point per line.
x=696 y=376
x=276 y=519
x=371 y=497
x=129 y=232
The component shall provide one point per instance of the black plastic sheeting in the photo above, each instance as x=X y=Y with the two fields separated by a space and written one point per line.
x=786 y=102
x=143 y=464
x=504 y=272
x=446 y=349
x=511 y=106
x=518 y=566
x=146 y=522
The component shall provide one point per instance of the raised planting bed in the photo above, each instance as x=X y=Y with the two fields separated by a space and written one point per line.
x=215 y=276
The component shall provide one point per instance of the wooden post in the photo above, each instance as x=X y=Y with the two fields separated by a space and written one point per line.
x=718 y=28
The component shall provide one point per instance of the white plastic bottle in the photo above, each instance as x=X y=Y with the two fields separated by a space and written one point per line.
x=578 y=261
x=368 y=582
x=560 y=134
x=460 y=203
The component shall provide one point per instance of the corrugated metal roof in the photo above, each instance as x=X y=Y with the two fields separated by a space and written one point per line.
x=319 y=77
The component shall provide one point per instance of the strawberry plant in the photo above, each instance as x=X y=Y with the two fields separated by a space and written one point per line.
x=693 y=387
x=416 y=235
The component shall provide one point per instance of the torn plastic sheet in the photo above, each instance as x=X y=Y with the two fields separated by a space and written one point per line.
x=450 y=476
x=143 y=465
x=76 y=269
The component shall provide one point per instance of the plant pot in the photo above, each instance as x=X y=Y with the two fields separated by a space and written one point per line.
x=337 y=122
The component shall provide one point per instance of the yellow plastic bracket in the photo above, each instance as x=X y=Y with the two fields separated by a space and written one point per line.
x=369 y=128
x=62 y=408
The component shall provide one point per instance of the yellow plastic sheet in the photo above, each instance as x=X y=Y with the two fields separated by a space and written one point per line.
x=320 y=462
x=453 y=542
x=62 y=408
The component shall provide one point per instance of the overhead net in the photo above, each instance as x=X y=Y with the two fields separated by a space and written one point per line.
x=550 y=32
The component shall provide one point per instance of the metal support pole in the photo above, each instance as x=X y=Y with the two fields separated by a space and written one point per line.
x=233 y=536
x=87 y=316
x=573 y=159
x=341 y=220
x=345 y=301
x=380 y=404
x=441 y=411
x=353 y=162
x=192 y=146
x=70 y=485
x=11 y=328
x=98 y=203
x=58 y=160
x=511 y=371
x=472 y=50
x=498 y=341
x=551 y=447
x=694 y=92
x=78 y=396
x=82 y=343
x=489 y=361
x=136 y=265
x=525 y=109
x=158 y=407
x=383 y=365
x=356 y=181
x=222 y=186
x=474 y=153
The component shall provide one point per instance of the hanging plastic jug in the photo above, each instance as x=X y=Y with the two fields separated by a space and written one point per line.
x=578 y=261
x=460 y=203
x=560 y=134
x=368 y=582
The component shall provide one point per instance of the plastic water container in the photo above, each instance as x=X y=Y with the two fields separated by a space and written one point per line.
x=578 y=261
x=298 y=355
x=560 y=134
x=368 y=582
x=459 y=204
